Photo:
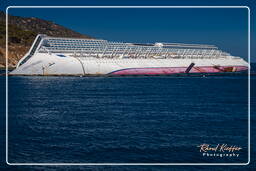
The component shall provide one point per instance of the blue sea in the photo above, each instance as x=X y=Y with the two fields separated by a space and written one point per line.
x=125 y=120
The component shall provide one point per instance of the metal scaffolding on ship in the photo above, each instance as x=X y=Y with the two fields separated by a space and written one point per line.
x=106 y=49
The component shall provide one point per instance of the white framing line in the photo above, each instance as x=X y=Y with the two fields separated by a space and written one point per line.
x=132 y=164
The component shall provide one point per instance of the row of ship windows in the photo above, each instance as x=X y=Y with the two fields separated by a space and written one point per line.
x=110 y=45
x=122 y=49
x=97 y=47
x=68 y=44
x=136 y=60
x=57 y=44
x=93 y=42
x=76 y=40
x=110 y=52
x=92 y=47
x=64 y=42
x=101 y=45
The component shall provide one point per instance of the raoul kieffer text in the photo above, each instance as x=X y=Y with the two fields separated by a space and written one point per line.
x=219 y=150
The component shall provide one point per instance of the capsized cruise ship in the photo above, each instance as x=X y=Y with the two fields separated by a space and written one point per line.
x=84 y=57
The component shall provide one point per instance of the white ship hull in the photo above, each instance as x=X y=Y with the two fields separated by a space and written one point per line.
x=51 y=64
x=66 y=56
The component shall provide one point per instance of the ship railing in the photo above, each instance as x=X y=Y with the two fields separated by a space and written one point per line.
x=138 y=55
x=111 y=51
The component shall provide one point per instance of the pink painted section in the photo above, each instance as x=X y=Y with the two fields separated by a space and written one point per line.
x=176 y=70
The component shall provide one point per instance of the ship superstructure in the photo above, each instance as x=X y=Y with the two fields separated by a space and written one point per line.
x=73 y=56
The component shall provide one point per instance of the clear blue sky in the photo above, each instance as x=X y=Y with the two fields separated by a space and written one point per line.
x=225 y=28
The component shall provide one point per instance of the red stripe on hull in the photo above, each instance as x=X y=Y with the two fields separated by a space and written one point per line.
x=177 y=70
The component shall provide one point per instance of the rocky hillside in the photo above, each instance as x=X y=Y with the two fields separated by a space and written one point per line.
x=22 y=32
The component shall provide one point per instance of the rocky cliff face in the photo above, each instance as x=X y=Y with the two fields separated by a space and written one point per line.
x=22 y=32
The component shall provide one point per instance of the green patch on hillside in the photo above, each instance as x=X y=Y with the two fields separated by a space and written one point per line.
x=16 y=35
